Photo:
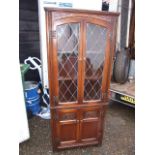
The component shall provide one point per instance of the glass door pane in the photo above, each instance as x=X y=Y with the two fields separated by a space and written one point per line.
x=68 y=51
x=95 y=55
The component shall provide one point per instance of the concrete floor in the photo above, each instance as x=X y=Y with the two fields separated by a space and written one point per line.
x=119 y=135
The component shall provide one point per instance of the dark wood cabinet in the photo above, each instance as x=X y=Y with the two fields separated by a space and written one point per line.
x=80 y=45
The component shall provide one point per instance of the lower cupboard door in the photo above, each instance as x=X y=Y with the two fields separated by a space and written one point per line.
x=91 y=126
x=67 y=127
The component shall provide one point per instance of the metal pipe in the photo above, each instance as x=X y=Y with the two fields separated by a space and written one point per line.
x=128 y=24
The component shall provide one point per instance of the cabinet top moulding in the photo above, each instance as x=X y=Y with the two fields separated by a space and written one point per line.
x=107 y=13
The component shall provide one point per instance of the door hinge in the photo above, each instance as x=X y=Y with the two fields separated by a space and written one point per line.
x=56 y=100
x=104 y=96
x=110 y=36
x=56 y=117
x=52 y=34
x=57 y=140
x=101 y=113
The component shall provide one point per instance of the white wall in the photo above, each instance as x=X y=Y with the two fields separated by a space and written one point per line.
x=23 y=122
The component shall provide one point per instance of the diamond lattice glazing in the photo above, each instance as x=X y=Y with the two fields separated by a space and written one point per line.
x=67 y=44
x=95 y=52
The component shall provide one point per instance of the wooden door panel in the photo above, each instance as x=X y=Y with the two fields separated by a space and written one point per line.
x=67 y=127
x=89 y=130
x=68 y=132
x=90 y=124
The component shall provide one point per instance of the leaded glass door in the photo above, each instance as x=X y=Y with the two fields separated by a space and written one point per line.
x=96 y=57
x=67 y=53
x=80 y=66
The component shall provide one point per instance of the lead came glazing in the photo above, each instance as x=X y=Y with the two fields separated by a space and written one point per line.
x=68 y=46
x=95 y=55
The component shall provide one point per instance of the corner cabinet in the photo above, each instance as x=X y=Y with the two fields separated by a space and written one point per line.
x=80 y=46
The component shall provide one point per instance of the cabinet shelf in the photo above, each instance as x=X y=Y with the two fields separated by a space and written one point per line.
x=74 y=79
x=67 y=79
